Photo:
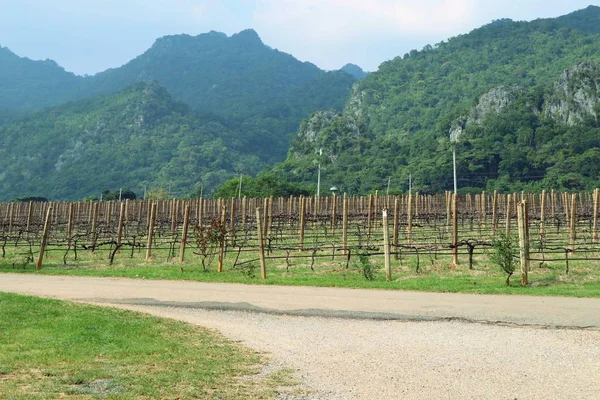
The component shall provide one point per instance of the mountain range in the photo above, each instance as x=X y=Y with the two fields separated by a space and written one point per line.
x=518 y=101
x=253 y=96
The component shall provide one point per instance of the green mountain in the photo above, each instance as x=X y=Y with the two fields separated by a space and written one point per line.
x=254 y=94
x=235 y=76
x=354 y=70
x=397 y=121
x=137 y=137
x=27 y=85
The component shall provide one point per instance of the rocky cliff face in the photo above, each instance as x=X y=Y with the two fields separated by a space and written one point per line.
x=576 y=95
x=493 y=102
x=309 y=130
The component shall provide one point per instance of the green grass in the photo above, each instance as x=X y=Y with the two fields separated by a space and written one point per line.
x=51 y=349
x=435 y=271
x=435 y=274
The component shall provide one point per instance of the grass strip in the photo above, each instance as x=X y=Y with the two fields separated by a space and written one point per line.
x=52 y=349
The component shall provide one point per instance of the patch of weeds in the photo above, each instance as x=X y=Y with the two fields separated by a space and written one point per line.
x=365 y=266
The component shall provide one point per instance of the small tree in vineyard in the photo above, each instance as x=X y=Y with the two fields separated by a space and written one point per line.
x=505 y=253
x=208 y=240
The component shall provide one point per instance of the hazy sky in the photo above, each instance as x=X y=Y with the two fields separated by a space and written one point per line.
x=88 y=36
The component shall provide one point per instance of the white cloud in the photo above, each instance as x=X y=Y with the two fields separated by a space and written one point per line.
x=338 y=20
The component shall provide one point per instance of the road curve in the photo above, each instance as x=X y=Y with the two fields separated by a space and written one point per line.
x=346 y=344
x=548 y=312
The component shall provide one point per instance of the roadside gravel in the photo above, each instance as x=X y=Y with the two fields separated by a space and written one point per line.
x=366 y=359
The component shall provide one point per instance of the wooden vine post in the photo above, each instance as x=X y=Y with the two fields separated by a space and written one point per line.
x=454 y=231
x=595 y=216
x=542 y=215
x=369 y=211
x=222 y=236
x=396 y=226
x=70 y=225
x=29 y=215
x=334 y=202
x=386 y=246
x=345 y=224
x=261 y=245
x=495 y=212
x=523 y=240
x=38 y=266
x=448 y=210
x=186 y=224
x=301 y=221
x=232 y=212
x=121 y=222
x=95 y=207
x=151 y=218
x=572 y=223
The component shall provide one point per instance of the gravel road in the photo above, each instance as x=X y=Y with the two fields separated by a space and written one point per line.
x=368 y=359
x=394 y=357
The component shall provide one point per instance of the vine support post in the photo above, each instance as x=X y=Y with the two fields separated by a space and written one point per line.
x=542 y=215
x=595 y=216
x=454 y=231
x=572 y=223
x=70 y=225
x=38 y=266
x=396 y=225
x=29 y=215
x=302 y=208
x=222 y=235
x=186 y=224
x=386 y=246
x=345 y=224
x=151 y=218
x=121 y=222
x=261 y=245
x=523 y=240
x=508 y=213
x=95 y=207
x=495 y=212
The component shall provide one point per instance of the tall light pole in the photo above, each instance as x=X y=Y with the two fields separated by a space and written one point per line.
x=454 y=166
x=240 y=187
x=319 y=174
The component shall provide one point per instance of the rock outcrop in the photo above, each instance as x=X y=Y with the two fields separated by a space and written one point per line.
x=576 y=95
x=493 y=102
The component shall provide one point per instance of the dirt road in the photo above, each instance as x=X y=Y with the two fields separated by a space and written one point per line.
x=367 y=344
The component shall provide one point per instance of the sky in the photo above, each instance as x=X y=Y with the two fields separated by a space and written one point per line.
x=89 y=36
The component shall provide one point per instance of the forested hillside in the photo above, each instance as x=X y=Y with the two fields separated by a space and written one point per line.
x=398 y=119
x=137 y=137
x=254 y=96
x=27 y=85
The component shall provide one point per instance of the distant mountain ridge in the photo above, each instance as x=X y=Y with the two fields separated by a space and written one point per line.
x=209 y=71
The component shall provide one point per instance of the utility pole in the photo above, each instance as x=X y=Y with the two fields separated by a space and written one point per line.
x=319 y=174
x=240 y=187
x=454 y=166
x=387 y=192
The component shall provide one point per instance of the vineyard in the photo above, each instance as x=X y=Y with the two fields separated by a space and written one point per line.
x=407 y=234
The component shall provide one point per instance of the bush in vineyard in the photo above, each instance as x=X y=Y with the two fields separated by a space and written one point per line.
x=505 y=253
x=208 y=240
